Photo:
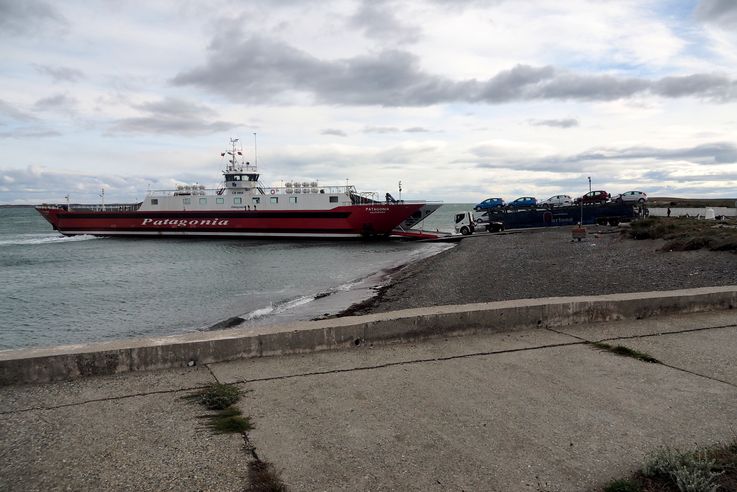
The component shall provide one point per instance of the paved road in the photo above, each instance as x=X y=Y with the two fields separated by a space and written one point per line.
x=533 y=410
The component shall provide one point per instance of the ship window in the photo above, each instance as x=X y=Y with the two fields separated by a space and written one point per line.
x=256 y=200
x=237 y=200
x=333 y=199
x=274 y=199
x=154 y=201
x=220 y=200
x=203 y=201
x=292 y=199
x=187 y=201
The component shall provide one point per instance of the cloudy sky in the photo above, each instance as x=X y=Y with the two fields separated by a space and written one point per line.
x=458 y=99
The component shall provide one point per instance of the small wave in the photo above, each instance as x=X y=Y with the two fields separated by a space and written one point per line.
x=278 y=309
x=286 y=306
x=24 y=240
x=258 y=313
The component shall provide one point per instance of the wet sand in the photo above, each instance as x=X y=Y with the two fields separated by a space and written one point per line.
x=546 y=263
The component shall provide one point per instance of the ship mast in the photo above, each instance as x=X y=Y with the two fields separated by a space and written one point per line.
x=233 y=153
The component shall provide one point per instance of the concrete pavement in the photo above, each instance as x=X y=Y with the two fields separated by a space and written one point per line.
x=527 y=410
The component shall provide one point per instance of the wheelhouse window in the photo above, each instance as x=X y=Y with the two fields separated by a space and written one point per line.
x=203 y=201
x=256 y=200
x=154 y=201
x=238 y=200
x=274 y=199
x=333 y=199
x=220 y=200
x=187 y=201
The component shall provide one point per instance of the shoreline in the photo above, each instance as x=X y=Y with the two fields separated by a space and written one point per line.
x=546 y=263
x=331 y=303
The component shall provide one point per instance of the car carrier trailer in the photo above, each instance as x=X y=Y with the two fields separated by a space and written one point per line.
x=606 y=213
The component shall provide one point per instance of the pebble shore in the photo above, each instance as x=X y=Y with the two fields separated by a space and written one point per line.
x=547 y=263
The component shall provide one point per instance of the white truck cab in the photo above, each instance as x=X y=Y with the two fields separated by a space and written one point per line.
x=465 y=223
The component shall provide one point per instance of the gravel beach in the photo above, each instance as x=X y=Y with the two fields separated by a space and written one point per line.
x=546 y=263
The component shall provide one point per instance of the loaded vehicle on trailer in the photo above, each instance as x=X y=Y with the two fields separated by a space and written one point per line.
x=489 y=204
x=557 y=201
x=523 y=202
x=597 y=196
x=632 y=197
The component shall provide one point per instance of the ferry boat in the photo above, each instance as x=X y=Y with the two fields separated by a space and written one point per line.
x=243 y=206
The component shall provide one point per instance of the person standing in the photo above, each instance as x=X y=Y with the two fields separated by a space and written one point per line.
x=668 y=211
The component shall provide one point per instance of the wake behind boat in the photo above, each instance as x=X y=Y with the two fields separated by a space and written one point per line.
x=243 y=206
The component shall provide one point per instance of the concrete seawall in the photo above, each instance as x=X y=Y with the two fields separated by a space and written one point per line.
x=74 y=361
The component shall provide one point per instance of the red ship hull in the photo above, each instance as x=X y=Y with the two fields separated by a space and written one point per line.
x=377 y=219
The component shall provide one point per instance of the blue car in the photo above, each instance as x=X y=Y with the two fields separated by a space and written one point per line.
x=522 y=202
x=489 y=204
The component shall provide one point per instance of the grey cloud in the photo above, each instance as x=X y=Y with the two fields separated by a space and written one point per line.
x=714 y=153
x=720 y=12
x=56 y=102
x=152 y=124
x=25 y=16
x=19 y=124
x=260 y=70
x=380 y=129
x=171 y=116
x=171 y=106
x=378 y=22
x=36 y=185
x=513 y=84
x=333 y=131
x=711 y=86
x=9 y=111
x=60 y=74
x=711 y=153
x=416 y=129
x=673 y=176
x=562 y=123
x=29 y=132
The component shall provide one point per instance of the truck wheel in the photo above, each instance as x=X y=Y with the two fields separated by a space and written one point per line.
x=465 y=231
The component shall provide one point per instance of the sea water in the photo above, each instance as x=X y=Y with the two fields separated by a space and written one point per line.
x=63 y=290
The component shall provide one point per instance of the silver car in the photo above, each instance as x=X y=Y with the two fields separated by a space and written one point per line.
x=558 y=201
x=632 y=197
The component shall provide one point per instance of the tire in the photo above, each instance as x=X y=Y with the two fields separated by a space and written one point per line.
x=641 y=201
x=465 y=231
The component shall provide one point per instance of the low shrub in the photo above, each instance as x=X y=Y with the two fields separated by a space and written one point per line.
x=219 y=396
x=263 y=477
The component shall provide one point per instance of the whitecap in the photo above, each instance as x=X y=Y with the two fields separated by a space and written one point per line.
x=25 y=240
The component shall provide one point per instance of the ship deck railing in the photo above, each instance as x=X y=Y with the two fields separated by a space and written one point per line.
x=86 y=207
x=267 y=190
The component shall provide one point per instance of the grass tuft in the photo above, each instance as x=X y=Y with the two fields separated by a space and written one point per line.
x=685 y=234
x=666 y=469
x=263 y=477
x=626 y=352
x=219 y=396
x=622 y=485
x=229 y=421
